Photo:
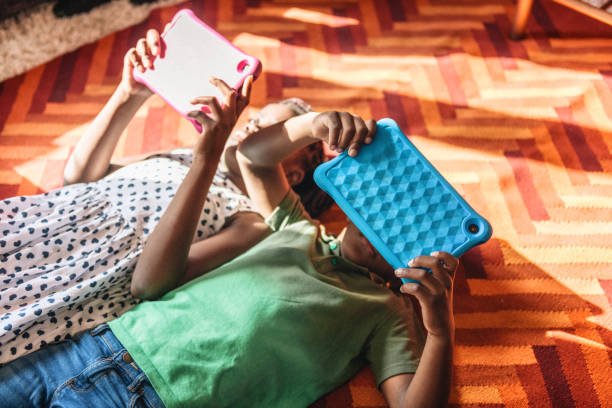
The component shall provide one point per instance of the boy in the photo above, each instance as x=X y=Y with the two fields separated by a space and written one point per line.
x=287 y=321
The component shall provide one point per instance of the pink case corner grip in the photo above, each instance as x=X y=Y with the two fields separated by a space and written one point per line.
x=192 y=52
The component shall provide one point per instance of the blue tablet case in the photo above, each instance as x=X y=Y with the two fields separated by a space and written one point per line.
x=399 y=201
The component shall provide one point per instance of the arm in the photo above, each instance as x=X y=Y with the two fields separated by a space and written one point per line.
x=261 y=154
x=165 y=259
x=430 y=385
x=90 y=159
x=243 y=231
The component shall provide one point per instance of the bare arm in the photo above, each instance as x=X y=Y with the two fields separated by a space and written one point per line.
x=242 y=232
x=90 y=159
x=430 y=385
x=261 y=154
x=165 y=260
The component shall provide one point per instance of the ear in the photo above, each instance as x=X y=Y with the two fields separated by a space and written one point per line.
x=295 y=176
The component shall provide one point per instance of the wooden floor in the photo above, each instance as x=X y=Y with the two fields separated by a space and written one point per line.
x=522 y=129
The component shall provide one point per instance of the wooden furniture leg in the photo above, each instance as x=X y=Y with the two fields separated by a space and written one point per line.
x=523 y=9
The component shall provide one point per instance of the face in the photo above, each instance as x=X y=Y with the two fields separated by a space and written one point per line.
x=301 y=161
x=356 y=248
x=293 y=165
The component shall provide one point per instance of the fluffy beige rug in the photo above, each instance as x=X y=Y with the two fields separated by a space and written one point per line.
x=40 y=36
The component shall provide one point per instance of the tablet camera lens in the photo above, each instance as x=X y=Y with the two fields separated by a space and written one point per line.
x=473 y=228
x=243 y=66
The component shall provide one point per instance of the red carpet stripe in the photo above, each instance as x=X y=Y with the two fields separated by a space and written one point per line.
x=522 y=129
x=524 y=182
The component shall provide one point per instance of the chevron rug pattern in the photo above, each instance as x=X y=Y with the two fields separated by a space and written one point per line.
x=522 y=129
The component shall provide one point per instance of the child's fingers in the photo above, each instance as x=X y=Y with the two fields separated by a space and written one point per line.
x=132 y=60
x=246 y=88
x=141 y=49
x=449 y=262
x=360 y=133
x=371 y=125
x=201 y=118
x=245 y=94
x=419 y=291
x=435 y=266
x=419 y=275
x=212 y=103
x=424 y=261
x=229 y=94
x=153 y=41
x=348 y=130
x=332 y=122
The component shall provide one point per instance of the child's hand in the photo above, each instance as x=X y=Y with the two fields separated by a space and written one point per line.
x=217 y=126
x=140 y=57
x=435 y=292
x=342 y=130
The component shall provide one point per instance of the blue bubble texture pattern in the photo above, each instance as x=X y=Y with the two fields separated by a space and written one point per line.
x=399 y=201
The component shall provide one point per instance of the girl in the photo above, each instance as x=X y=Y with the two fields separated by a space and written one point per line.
x=66 y=256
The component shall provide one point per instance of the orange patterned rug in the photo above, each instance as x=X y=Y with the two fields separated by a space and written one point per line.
x=522 y=129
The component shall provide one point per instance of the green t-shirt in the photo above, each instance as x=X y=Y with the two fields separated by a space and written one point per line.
x=279 y=326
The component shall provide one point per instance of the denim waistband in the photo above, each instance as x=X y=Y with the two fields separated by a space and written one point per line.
x=120 y=355
x=103 y=330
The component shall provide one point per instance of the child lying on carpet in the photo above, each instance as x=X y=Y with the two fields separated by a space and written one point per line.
x=282 y=324
x=67 y=256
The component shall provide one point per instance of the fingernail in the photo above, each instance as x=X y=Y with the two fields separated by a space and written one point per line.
x=353 y=152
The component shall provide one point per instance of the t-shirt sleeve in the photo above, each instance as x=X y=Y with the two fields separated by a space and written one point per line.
x=397 y=343
x=288 y=212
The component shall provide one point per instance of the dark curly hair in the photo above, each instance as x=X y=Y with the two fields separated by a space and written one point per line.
x=314 y=200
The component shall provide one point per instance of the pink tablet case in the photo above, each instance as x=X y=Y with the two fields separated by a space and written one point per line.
x=192 y=52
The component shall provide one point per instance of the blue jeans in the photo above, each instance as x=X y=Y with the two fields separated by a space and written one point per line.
x=91 y=370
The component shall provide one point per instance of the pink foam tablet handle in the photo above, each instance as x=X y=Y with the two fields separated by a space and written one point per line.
x=192 y=52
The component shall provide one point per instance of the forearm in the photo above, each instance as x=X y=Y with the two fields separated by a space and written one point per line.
x=271 y=145
x=90 y=159
x=164 y=258
x=430 y=386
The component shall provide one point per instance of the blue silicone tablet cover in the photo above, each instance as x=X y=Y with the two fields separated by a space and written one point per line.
x=399 y=201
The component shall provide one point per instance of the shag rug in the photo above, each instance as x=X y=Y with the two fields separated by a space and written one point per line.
x=37 y=35
x=522 y=129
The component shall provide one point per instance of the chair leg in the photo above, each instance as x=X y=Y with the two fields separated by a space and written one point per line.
x=523 y=9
